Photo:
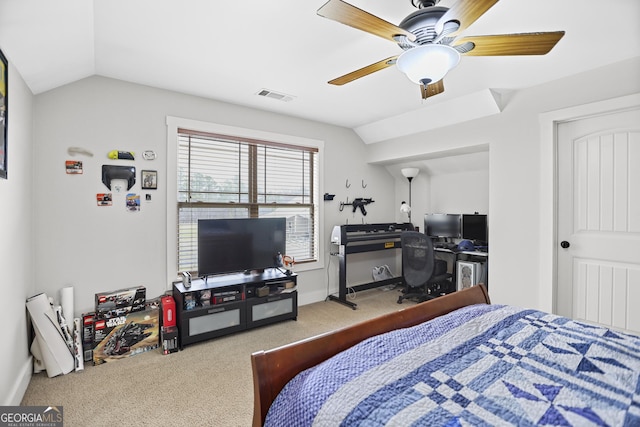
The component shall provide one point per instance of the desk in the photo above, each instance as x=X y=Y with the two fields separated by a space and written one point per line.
x=455 y=256
x=353 y=239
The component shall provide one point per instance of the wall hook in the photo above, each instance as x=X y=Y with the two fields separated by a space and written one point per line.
x=347 y=183
x=363 y=184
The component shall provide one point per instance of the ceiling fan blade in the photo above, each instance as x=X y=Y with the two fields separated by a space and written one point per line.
x=347 y=14
x=465 y=12
x=508 y=44
x=365 y=71
x=432 y=89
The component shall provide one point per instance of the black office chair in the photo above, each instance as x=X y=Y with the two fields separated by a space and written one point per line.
x=425 y=277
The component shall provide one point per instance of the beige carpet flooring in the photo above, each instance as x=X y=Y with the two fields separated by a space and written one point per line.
x=206 y=384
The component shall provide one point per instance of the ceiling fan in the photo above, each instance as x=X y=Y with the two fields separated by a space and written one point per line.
x=428 y=37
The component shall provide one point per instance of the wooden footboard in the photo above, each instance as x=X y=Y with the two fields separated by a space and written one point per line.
x=273 y=369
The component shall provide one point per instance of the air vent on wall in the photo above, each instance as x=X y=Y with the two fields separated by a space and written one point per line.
x=275 y=95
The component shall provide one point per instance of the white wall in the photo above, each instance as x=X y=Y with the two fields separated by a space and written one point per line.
x=454 y=192
x=515 y=174
x=461 y=192
x=16 y=243
x=105 y=248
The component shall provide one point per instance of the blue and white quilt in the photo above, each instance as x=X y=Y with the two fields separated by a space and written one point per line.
x=483 y=365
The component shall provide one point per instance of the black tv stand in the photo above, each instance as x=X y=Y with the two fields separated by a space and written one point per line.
x=285 y=272
x=224 y=304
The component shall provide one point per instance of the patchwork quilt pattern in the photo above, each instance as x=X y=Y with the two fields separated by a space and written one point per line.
x=483 y=365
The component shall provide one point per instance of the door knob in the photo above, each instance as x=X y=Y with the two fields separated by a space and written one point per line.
x=565 y=244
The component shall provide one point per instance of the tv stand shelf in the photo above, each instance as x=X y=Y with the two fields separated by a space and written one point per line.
x=229 y=303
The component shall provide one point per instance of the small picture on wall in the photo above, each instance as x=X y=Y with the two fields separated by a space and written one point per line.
x=133 y=202
x=149 y=180
x=104 y=199
x=73 y=167
x=4 y=86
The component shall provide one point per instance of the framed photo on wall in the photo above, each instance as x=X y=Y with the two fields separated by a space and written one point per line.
x=149 y=180
x=4 y=88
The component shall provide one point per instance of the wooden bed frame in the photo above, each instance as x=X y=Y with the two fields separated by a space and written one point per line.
x=273 y=369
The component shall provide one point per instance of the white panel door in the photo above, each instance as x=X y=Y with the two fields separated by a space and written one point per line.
x=599 y=220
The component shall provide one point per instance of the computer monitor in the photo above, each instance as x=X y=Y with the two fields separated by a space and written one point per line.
x=474 y=227
x=442 y=225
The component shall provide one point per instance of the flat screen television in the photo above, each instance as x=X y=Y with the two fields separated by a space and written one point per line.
x=442 y=225
x=239 y=244
x=474 y=227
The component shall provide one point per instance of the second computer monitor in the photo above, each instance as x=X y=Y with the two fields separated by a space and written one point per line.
x=474 y=227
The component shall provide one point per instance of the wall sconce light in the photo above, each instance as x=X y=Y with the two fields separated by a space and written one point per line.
x=408 y=173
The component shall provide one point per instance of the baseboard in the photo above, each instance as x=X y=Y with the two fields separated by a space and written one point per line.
x=14 y=398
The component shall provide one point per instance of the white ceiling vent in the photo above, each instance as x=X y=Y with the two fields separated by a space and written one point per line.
x=276 y=95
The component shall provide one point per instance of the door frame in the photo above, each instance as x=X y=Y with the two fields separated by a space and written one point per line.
x=549 y=123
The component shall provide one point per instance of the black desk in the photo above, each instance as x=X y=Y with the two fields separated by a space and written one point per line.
x=353 y=239
x=456 y=256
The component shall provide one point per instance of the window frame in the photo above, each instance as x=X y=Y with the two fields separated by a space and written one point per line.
x=175 y=123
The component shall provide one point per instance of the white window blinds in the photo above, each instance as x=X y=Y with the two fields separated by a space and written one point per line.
x=223 y=176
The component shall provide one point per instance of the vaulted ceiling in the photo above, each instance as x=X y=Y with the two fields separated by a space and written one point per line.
x=232 y=50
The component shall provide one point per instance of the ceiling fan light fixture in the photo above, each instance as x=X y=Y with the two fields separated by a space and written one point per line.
x=428 y=63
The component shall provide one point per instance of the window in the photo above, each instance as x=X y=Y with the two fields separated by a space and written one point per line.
x=220 y=176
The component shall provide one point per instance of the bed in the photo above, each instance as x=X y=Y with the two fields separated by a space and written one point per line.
x=453 y=361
